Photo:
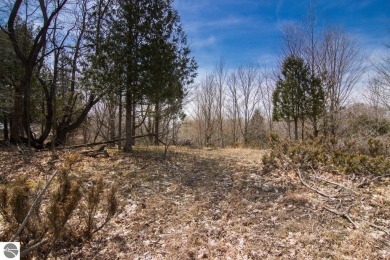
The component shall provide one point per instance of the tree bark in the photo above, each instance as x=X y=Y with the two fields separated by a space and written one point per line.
x=150 y=129
x=112 y=113
x=315 y=128
x=120 y=120
x=128 y=147
x=133 y=127
x=16 y=116
x=157 y=123
x=21 y=116
x=296 y=129
x=5 y=131
x=64 y=128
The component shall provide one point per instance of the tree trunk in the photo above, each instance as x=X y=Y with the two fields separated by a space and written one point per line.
x=112 y=113
x=315 y=128
x=133 y=127
x=150 y=130
x=53 y=119
x=16 y=116
x=246 y=139
x=5 y=131
x=303 y=129
x=333 y=125
x=157 y=124
x=289 y=129
x=66 y=127
x=120 y=120
x=128 y=147
x=296 y=129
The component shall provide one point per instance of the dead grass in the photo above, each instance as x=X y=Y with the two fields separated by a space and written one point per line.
x=216 y=204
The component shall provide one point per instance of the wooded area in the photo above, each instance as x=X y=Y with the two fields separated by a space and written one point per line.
x=107 y=73
x=111 y=146
x=71 y=65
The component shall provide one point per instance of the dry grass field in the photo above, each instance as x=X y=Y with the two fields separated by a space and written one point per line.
x=220 y=204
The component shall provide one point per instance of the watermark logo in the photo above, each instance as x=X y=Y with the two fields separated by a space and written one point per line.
x=10 y=250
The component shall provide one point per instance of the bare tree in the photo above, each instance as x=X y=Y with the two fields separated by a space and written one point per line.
x=220 y=77
x=205 y=105
x=233 y=106
x=342 y=65
x=293 y=41
x=267 y=87
x=379 y=85
x=249 y=90
x=333 y=56
x=44 y=12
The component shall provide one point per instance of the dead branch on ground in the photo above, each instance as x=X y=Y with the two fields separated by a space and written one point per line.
x=96 y=153
x=365 y=183
x=313 y=189
x=342 y=214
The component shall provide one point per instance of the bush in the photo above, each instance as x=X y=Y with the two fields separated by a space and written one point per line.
x=54 y=223
x=364 y=156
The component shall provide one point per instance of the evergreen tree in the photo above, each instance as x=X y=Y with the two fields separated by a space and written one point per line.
x=298 y=95
x=152 y=57
x=315 y=102
x=129 y=30
x=166 y=61
x=257 y=130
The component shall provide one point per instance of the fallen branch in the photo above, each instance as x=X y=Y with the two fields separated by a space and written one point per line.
x=341 y=214
x=33 y=206
x=313 y=189
x=32 y=248
x=334 y=183
x=91 y=144
x=95 y=153
x=365 y=183
x=101 y=143
x=345 y=215
x=379 y=228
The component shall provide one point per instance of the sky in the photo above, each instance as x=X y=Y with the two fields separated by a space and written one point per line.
x=249 y=31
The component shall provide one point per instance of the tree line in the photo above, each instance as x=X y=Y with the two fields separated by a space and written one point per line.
x=308 y=95
x=63 y=58
x=122 y=70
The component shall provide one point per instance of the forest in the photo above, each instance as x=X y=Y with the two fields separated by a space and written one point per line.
x=112 y=146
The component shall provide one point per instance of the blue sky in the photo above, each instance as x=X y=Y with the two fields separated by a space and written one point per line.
x=243 y=31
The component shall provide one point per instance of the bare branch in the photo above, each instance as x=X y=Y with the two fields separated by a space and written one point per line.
x=33 y=206
x=344 y=215
x=308 y=186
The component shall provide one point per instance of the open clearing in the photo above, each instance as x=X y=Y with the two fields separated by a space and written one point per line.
x=219 y=204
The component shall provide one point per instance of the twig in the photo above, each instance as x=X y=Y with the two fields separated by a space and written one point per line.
x=364 y=183
x=334 y=183
x=95 y=153
x=33 y=206
x=308 y=186
x=344 y=215
x=378 y=227
x=32 y=248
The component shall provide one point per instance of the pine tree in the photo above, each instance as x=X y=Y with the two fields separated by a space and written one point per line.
x=129 y=30
x=166 y=61
x=298 y=95
x=315 y=102
x=152 y=56
x=256 y=130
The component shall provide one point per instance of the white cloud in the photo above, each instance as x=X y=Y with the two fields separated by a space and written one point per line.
x=203 y=42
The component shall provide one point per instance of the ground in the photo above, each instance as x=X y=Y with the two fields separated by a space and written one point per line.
x=220 y=204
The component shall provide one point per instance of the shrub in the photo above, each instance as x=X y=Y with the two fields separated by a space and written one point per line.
x=360 y=156
x=52 y=224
